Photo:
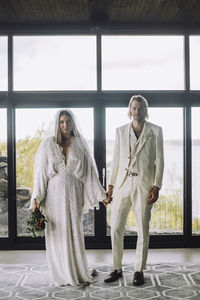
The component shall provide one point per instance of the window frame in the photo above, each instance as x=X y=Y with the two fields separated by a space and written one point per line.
x=99 y=100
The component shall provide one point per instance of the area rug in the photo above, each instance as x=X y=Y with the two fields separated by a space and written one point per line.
x=162 y=281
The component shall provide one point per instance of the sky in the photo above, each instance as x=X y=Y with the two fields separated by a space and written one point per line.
x=128 y=62
x=143 y=62
x=55 y=63
x=28 y=121
x=3 y=64
x=164 y=117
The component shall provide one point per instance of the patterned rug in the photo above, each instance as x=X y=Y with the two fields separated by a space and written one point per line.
x=162 y=281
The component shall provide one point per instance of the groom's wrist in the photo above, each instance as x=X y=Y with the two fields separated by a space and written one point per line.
x=110 y=187
x=155 y=188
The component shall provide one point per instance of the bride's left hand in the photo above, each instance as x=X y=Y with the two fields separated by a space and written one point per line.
x=105 y=203
x=35 y=205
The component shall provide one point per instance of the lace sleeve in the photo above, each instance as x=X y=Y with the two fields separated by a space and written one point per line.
x=93 y=190
x=40 y=178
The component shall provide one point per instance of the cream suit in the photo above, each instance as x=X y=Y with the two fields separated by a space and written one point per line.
x=145 y=163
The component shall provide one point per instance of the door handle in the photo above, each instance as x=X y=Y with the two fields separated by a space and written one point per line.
x=103 y=176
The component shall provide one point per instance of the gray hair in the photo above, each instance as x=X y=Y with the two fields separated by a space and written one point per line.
x=141 y=100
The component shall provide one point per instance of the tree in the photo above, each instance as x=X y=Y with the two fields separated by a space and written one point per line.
x=25 y=154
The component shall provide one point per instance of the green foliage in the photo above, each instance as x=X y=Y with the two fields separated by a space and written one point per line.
x=167 y=214
x=3 y=149
x=25 y=154
x=36 y=223
x=196 y=225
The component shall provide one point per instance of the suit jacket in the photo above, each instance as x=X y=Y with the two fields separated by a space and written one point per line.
x=146 y=160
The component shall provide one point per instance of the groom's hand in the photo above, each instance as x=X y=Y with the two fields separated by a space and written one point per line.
x=109 y=194
x=153 y=195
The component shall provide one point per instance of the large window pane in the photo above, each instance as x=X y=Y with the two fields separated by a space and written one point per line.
x=194 y=62
x=142 y=63
x=195 y=170
x=3 y=174
x=55 y=63
x=31 y=125
x=167 y=213
x=3 y=64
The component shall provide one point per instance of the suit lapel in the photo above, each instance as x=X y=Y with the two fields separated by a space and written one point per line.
x=127 y=135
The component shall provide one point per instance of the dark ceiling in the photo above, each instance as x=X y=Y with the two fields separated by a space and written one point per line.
x=103 y=12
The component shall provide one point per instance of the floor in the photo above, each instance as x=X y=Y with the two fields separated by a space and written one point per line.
x=105 y=256
x=171 y=274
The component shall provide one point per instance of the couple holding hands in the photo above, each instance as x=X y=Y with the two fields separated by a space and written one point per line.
x=66 y=184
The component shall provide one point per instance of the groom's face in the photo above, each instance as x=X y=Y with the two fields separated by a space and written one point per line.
x=138 y=111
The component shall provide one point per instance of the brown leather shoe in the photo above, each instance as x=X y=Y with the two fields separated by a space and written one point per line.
x=113 y=276
x=138 y=278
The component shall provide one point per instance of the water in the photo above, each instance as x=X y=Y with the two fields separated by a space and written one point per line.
x=173 y=172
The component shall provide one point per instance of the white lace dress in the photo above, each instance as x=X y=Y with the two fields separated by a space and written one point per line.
x=64 y=190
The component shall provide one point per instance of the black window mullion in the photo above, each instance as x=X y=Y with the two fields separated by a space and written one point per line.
x=187 y=225
x=10 y=63
x=99 y=146
x=187 y=62
x=100 y=157
x=99 y=62
x=11 y=175
x=11 y=149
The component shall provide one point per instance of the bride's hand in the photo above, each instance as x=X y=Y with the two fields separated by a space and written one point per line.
x=109 y=193
x=35 y=205
x=105 y=202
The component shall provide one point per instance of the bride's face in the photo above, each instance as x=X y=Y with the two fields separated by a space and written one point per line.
x=66 y=126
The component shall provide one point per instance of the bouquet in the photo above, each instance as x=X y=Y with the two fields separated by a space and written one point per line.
x=36 y=223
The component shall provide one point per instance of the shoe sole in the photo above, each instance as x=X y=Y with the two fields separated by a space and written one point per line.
x=134 y=283
x=112 y=280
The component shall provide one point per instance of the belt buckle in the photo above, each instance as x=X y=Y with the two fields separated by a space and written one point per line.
x=131 y=174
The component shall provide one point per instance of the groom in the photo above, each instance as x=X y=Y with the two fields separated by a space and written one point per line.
x=135 y=180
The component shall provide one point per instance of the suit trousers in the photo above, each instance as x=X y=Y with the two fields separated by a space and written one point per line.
x=131 y=193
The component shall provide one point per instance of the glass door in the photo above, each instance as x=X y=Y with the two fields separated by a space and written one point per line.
x=31 y=126
x=3 y=174
x=167 y=213
x=195 y=170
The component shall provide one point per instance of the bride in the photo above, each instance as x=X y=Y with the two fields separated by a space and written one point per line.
x=66 y=184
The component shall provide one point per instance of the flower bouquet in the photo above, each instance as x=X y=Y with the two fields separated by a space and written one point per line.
x=36 y=223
